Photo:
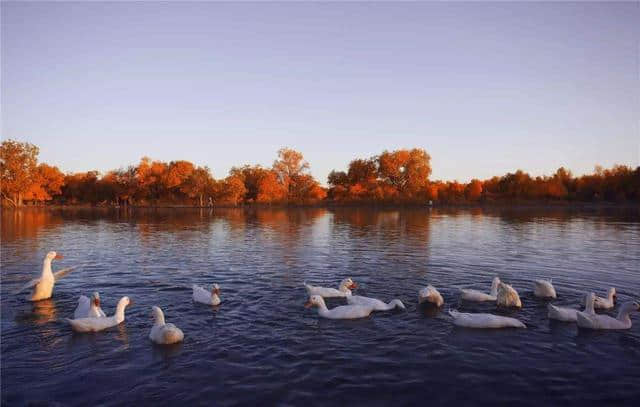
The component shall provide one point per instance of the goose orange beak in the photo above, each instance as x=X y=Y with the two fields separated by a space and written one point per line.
x=58 y=257
x=216 y=291
x=353 y=286
x=308 y=304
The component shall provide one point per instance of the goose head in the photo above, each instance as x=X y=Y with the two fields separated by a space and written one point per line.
x=125 y=302
x=612 y=294
x=629 y=307
x=122 y=304
x=215 y=290
x=347 y=285
x=95 y=299
x=494 y=286
x=315 y=301
x=53 y=256
x=158 y=315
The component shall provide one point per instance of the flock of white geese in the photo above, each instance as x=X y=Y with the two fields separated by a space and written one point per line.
x=89 y=317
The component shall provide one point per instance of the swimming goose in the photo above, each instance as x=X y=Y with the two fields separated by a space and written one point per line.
x=479 y=296
x=430 y=294
x=207 y=297
x=544 y=289
x=596 y=321
x=468 y=320
x=570 y=314
x=606 y=303
x=162 y=333
x=340 y=312
x=343 y=290
x=43 y=286
x=508 y=296
x=374 y=303
x=89 y=307
x=95 y=324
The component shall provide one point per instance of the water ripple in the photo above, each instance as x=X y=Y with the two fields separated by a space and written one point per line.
x=260 y=343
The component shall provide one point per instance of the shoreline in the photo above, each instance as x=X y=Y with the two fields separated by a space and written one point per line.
x=355 y=205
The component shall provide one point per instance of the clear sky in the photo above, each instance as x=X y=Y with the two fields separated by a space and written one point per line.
x=485 y=88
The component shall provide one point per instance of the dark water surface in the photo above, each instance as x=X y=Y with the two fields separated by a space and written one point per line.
x=261 y=347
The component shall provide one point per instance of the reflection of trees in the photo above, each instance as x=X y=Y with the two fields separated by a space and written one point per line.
x=410 y=224
x=371 y=237
x=26 y=223
x=44 y=311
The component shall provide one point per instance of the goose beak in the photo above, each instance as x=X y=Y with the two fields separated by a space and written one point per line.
x=308 y=304
x=353 y=286
x=58 y=257
x=131 y=303
x=96 y=302
x=216 y=291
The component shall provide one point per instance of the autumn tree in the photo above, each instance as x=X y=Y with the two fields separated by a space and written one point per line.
x=338 y=178
x=47 y=182
x=232 y=190
x=18 y=170
x=127 y=184
x=199 y=184
x=473 y=190
x=289 y=166
x=407 y=170
x=362 y=171
x=81 y=187
x=151 y=176
x=251 y=177
x=270 y=190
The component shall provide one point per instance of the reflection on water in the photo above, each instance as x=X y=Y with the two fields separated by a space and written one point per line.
x=261 y=343
x=44 y=311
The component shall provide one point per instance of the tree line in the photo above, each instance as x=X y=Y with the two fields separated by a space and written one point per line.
x=392 y=177
x=402 y=177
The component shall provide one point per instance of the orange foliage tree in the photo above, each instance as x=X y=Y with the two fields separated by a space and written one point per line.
x=392 y=177
x=47 y=182
x=18 y=170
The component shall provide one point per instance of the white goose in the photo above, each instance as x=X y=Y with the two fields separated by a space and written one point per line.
x=206 y=297
x=468 y=320
x=623 y=321
x=340 y=312
x=479 y=296
x=95 y=324
x=374 y=303
x=508 y=296
x=344 y=290
x=430 y=294
x=544 y=289
x=606 y=303
x=89 y=307
x=569 y=314
x=43 y=286
x=162 y=333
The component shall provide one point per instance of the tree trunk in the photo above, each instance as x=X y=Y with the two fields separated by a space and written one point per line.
x=11 y=201
x=201 y=198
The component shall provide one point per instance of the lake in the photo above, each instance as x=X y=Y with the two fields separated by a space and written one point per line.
x=262 y=347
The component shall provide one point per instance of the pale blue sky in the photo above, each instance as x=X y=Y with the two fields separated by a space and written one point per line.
x=485 y=88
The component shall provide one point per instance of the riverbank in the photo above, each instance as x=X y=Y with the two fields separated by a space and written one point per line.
x=329 y=205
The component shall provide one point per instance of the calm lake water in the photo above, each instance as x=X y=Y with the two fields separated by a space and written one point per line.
x=261 y=344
